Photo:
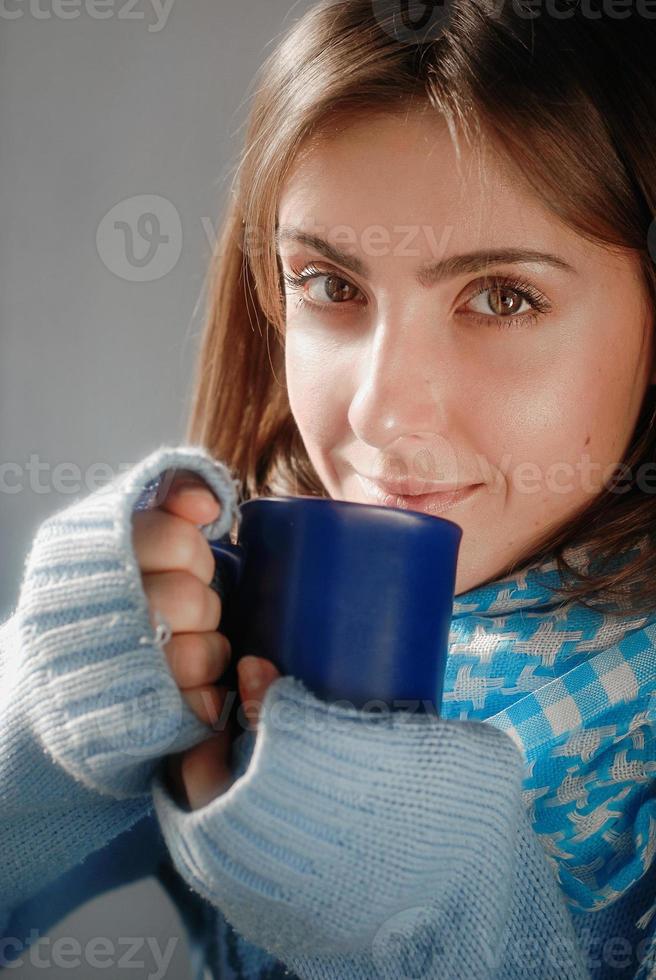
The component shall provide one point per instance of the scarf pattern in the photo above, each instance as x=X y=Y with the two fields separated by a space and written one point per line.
x=575 y=688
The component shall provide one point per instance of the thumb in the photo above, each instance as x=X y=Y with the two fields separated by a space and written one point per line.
x=186 y=494
x=256 y=675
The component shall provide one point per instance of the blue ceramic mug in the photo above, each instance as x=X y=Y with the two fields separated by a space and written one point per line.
x=353 y=599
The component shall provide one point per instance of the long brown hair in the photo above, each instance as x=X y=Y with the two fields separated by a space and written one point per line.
x=569 y=101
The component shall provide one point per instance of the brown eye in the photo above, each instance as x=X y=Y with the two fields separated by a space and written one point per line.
x=336 y=289
x=499 y=302
x=504 y=301
x=330 y=288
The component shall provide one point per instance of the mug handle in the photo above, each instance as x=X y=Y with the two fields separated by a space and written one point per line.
x=228 y=565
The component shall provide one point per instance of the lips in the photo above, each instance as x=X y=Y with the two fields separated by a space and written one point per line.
x=435 y=502
x=414 y=486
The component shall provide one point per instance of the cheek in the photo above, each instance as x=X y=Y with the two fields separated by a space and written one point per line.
x=557 y=428
x=317 y=387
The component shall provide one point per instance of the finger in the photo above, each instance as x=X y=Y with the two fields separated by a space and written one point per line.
x=165 y=542
x=188 y=495
x=183 y=600
x=255 y=676
x=197 y=658
x=208 y=703
x=205 y=770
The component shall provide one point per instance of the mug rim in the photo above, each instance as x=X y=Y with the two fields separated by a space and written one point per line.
x=407 y=514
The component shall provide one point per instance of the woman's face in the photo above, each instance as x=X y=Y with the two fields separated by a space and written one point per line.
x=525 y=375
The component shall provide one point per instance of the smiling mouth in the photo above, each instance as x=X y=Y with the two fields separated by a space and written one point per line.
x=435 y=502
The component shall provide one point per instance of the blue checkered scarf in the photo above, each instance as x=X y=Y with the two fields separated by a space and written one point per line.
x=575 y=688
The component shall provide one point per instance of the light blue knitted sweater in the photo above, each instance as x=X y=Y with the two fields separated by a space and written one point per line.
x=349 y=847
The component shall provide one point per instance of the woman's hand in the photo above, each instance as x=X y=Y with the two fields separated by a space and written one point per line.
x=177 y=566
x=202 y=773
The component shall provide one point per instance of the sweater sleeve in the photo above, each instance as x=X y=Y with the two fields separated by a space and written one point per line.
x=360 y=847
x=87 y=701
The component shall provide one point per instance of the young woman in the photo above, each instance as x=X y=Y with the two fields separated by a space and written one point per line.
x=434 y=289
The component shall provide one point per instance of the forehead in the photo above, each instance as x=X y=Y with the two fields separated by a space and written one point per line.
x=403 y=172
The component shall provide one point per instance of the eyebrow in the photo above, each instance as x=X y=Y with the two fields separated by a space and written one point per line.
x=430 y=272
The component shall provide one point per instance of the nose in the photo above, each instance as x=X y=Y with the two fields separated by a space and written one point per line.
x=405 y=387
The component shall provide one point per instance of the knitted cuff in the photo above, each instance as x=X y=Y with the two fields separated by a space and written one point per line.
x=538 y=939
x=345 y=821
x=96 y=683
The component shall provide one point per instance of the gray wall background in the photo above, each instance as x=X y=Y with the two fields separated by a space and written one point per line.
x=97 y=367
